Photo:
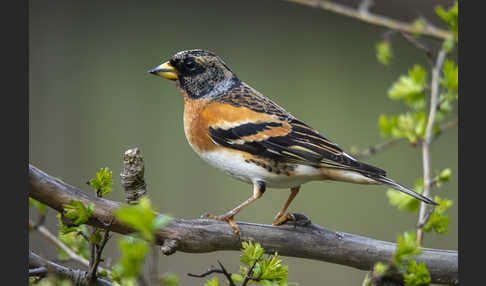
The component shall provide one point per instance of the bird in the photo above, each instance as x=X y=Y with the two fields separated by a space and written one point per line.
x=238 y=130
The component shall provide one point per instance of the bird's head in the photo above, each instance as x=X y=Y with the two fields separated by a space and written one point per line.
x=201 y=74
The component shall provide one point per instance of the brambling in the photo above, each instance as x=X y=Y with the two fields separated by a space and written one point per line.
x=236 y=129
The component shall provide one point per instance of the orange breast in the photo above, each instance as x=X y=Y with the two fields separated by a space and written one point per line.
x=196 y=126
x=199 y=115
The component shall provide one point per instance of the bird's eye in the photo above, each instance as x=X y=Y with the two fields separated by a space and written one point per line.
x=190 y=64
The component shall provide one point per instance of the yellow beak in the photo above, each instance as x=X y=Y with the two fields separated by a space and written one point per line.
x=165 y=70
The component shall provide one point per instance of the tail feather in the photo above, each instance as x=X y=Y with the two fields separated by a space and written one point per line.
x=397 y=186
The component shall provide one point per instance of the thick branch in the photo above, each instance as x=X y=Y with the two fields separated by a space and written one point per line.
x=200 y=235
x=365 y=16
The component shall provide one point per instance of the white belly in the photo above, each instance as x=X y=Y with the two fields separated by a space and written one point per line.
x=233 y=163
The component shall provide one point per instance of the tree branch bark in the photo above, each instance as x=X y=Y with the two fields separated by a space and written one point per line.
x=202 y=235
x=365 y=16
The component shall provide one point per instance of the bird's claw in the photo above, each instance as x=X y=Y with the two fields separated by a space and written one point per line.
x=228 y=218
x=296 y=218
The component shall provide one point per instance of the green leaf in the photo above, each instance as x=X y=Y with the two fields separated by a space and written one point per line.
x=407 y=247
x=379 y=268
x=450 y=16
x=102 y=273
x=103 y=181
x=95 y=237
x=133 y=252
x=439 y=220
x=410 y=126
x=443 y=177
x=419 y=26
x=418 y=275
x=41 y=208
x=387 y=124
x=75 y=242
x=65 y=229
x=76 y=212
x=448 y=44
x=212 y=282
x=236 y=277
x=142 y=218
x=250 y=252
x=169 y=279
x=451 y=76
x=410 y=88
x=403 y=201
x=383 y=52
x=269 y=270
x=272 y=269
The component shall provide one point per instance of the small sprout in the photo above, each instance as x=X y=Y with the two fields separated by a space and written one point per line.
x=450 y=16
x=212 y=282
x=102 y=273
x=236 y=277
x=251 y=252
x=169 y=279
x=410 y=88
x=133 y=252
x=410 y=126
x=448 y=44
x=417 y=275
x=379 y=269
x=383 y=52
x=75 y=242
x=103 y=182
x=41 y=208
x=407 y=247
x=439 y=220
x=443 y=177
x=65 y=228
x=419 y=26
x=451 y=76
x=77 y=212
x=95 y=237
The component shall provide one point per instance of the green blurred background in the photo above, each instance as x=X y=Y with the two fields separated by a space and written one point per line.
x=91 y=99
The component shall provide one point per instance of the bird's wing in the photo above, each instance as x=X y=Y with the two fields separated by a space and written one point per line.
x=249 y=122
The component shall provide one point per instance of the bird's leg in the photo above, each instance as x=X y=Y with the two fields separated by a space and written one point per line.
x=258 y=190
x=282 y=216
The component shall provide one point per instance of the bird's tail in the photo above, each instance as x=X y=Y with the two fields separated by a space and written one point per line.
x=389 y=182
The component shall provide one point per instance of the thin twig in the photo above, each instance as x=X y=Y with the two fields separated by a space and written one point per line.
x=226 y=274
x=52 y=238
x=387 y=144
x=249 y=274
x=78 y=277
x=39 y=271
x=376 y=148
x=212 y=270
x=419 y=45
x=209 y=272
x=99 y=250
x=427 y=30
x=434 y=94
x=365 y=5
